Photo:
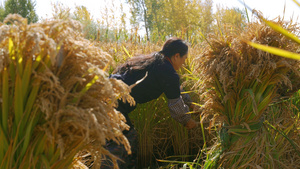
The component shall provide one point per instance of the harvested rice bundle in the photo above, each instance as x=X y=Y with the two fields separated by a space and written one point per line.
x=56 y=97
x=238 y=84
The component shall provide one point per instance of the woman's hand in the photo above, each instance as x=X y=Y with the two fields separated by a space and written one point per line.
x=191 y=124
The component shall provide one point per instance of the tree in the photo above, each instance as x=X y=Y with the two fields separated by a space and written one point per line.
x=188 y=16
x=233 y=17
x=23 y=7
x=106 y=28
x=84 y=17
x=60 y=11
x=2 y=11
x=139 y=12
x=82 y=14
x=206 y=18
x=163 y=18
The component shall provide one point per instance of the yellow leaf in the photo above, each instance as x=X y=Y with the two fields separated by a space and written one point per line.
x=275 y=51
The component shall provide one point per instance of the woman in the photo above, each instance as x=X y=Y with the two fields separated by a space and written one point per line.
x=159 y=70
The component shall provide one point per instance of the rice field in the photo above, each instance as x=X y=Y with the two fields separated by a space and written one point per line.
x=58 y=104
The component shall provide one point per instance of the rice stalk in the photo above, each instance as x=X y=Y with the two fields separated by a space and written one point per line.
x=56 y=97
x=146 y=120
x=160 y=141
x=239 y=84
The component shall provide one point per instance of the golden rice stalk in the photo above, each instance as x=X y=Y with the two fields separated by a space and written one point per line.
x=56 y=96
x=239 y=82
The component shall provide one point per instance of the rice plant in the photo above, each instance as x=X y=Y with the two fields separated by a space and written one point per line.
x=239 y=84
x=56 y=98
x=160 y=137
x=146 y=118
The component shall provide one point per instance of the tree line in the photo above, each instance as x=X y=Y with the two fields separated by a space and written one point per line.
x=26 y=8
x=190 y=19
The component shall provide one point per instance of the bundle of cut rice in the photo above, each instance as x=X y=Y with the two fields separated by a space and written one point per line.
x=56 y=97
x=238 y=83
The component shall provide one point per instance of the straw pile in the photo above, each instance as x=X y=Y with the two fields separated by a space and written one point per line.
x=73 y=108
x=238 y=83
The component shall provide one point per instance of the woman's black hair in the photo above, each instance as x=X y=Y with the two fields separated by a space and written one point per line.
x=173 y=46
x=170 y=48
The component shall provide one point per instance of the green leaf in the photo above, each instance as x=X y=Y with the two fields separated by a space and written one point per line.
x=265 y=102
x=295 y=146
x=26 y=78
x=32 y=96
x=5 y=100
x=55 y=155
x=238 y=108
x=86 y=88
x=18 y=100
x=45 y=162
x=41 y=143
x=219 y=88
x=254 y=105
x=28 y=133
x=4 y=144
x=6 y=161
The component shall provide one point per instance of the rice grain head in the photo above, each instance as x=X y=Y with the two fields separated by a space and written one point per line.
x=76 y=100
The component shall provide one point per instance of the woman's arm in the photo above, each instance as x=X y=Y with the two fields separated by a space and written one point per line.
x=179 y=112
x=186 y=98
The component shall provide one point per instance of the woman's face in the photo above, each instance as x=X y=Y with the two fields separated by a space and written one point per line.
x=178 y=61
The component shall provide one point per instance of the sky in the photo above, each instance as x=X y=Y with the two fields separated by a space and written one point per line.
x=270 y=8
x=95 y=7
